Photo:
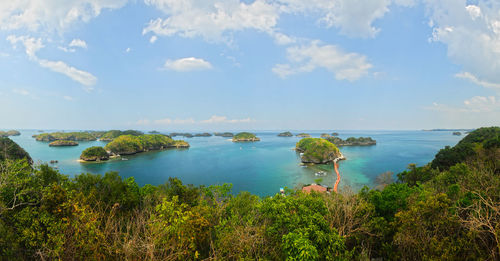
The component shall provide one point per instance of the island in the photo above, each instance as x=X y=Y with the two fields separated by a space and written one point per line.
x=9 y=133
x=285 y=134
x=245 y=137
x=224 y=134
x=187 y=135
x=73 y=136
x=94 y=153
x=457 y=133
x=361 y=141
x=335 y=134
x=206 y=134
x=317 y=151
x=130 y=144
x=11 y=151
x=154 y=132
x=113 y=134
x=63 y=143
x=325 y=135
x=303 y=135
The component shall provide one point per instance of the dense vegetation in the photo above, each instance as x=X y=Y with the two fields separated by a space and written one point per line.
x=113 y=134
x=9 y=133
x=62 y=143
x=129 y=144
x=316 y=150
x=285 y=134
x=427 y=214
x=73 y=136
x=11 y=151
x=245 y=136
x=352 y=141
x=94 y=153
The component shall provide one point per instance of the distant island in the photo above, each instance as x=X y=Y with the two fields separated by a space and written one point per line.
x=285 y=134
x=154 y=132
x=9 y=133
x=457 y=133
x=72 y=136
x=325 y=135
x=361 y=141
x=317 y=151
x=335 y=134
x=224 y=134
x=63 y=143
x=187 y=135
x=113 y=134
x=245 y=137
x=464 y=130
x=205 y=134
x=303 y=135
x=94 y=153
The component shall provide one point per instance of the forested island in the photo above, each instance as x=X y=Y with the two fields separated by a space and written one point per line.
x=130 y=144
x=317 y=151
x=245 y=137
x=9 y=133
x=183 y=134
x=72 y=136
x=63 y=143
x=285 y=134
x=361 y=141
x=303 y=135
x=205 y=134
x=113 y=134
x=94 y=153
x=448 y=209
x=224 y=134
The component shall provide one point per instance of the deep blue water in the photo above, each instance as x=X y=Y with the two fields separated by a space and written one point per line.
x=260 y=167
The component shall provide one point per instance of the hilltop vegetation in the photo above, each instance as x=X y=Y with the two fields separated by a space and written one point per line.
x=316 y=150
x=129 y=144
x=9 y=133
x=113 y=134
x=94 y=153
x=9 y=150
x=244 y=137
x=427 y=214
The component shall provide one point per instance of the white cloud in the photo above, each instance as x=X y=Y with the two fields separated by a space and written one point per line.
x=472 y=36
x=32 y=45
x=51 y=15
x=68 y=98
x=212 y=20
x=306 y=58
x=474 y=79
x=187 y=64
x=78 y=43
x=476 y=104
x=128 y=50
x=21 y=92
x=66 y=50
x=153 y=39
x=224 y=119
x=80 y=76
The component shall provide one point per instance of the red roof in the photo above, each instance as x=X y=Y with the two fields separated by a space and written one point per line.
x=314 y=187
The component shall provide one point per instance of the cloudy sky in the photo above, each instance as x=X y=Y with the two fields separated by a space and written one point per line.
x=256 y=65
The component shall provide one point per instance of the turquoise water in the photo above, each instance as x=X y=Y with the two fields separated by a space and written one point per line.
x=260 y=167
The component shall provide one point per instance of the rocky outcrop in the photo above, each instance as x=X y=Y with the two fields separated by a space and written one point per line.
x=62 y=143
x=94 y=154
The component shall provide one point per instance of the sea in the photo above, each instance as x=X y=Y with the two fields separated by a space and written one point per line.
x=261 y=168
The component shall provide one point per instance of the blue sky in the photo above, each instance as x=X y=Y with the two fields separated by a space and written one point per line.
x=255 y=65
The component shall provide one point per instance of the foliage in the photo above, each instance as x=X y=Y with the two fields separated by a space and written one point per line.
x=351 y=141
x=113 y=134
x=94 y=153
x=317 y=150
x=72 y=136
x=245 y=136
x=129 y=144
x=10 y=150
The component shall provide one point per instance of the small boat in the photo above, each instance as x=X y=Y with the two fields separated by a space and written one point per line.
x=320 y=173
x=124 y=159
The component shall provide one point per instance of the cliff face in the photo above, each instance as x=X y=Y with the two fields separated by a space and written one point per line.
x=317 y=151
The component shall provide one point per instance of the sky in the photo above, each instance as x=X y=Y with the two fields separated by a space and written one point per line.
x=249 y=65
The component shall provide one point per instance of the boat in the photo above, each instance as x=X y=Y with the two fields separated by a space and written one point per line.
x=320 y=173
x=124 y=159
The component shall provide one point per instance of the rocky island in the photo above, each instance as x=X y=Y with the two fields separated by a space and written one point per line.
x=317 y=151
x=361 y=141
x=187 y=135
x=285 y=134
x=303 y=135
x=245 y=137
x=224 y=134
x=95 y=153
x=130 y=144
x=206 y=134
x=9 y=133
x=63 y=143
x=72 y=136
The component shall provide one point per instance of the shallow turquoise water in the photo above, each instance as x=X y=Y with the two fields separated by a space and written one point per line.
x=260 y=167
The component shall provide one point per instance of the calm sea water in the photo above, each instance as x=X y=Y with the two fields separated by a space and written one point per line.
x=260 y=167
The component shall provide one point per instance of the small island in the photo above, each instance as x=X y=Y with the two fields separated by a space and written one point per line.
x=9 y=133
x=130 y=144
x=335 y=134
x=303 y=135
x=95 y=153
x=457 y=133
x=224 y=134
x=72 y=136
x=187 y=135
x=63 y=143
x=206 y=134
x=317 y=151
x=361 y=141
x=285 y=134
x=245 y=137
x=325 y=135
